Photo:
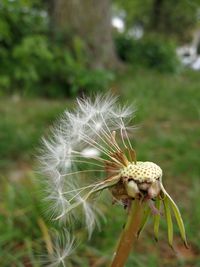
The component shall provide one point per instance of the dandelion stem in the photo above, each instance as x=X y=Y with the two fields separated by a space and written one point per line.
x=129 y=234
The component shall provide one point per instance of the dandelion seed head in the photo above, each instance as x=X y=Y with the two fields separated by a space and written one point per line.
x=89 y=151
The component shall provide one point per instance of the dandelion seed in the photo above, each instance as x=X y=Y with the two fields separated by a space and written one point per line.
x=63 y=246
x=91 y=151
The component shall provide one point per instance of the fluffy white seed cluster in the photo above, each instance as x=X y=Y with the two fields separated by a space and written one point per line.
x=72 y=158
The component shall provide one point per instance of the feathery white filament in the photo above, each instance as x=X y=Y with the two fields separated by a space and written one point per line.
x=81 y=142
x=63 y=245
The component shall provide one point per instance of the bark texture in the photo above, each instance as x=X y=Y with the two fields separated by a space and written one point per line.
x=91 y=21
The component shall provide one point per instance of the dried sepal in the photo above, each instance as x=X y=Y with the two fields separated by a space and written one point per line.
x=177 y=215
x=157 y=218
x=169 y=221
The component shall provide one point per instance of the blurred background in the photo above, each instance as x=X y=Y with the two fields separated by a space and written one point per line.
x=147 y=52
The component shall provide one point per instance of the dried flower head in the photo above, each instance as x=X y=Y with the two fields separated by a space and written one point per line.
x=90 y=151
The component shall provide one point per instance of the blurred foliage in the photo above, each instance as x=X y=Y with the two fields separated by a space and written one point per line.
x=19 y=138
x=27 y=236
x=152 y=51
x=33 y=64
x=19 y=222
x=176 y=19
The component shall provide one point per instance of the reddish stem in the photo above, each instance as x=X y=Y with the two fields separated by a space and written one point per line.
x=128 y=235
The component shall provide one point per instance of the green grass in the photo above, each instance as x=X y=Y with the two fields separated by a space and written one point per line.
x=22 y=124
x=168 y=119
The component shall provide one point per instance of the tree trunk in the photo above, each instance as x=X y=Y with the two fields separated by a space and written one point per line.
x=156 y=22
x=91 y=21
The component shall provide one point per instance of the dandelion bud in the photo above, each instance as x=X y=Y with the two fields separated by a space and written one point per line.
x=144 y=186
x=154 y=189
x=132 y=189
x=142 y=179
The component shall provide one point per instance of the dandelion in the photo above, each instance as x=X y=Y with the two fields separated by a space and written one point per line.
x=90 y=150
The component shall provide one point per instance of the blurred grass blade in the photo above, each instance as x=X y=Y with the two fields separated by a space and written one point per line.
x=144 y=220
x=46 y=235
x=169 y=221
x=157 y=218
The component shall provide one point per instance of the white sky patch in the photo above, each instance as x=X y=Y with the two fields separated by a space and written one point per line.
x=196 y=64
x=118 y=23
x=189 y=56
